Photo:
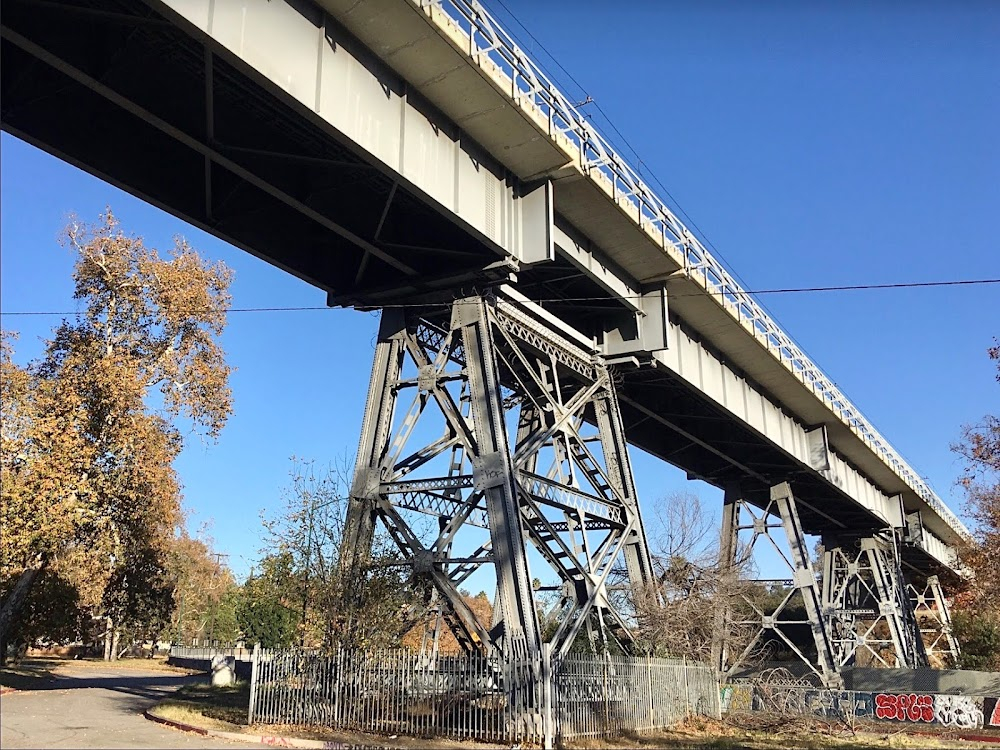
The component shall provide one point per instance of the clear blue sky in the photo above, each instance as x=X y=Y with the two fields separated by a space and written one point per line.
x=814 y=143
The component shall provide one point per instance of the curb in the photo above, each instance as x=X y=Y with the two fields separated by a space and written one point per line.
x=4 y=690
x=271 y=740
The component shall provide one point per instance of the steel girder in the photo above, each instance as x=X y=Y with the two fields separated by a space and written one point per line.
x=532 y=452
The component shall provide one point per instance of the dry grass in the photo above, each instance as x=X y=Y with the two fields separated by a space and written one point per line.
x=158 y=664
x=771 y=733
x=227 y=705
x=225 y=709
x=191 y=714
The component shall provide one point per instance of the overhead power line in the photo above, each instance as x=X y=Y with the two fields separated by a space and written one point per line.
x=787 y=290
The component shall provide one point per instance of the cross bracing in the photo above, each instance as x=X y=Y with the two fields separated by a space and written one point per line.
x=535 y=455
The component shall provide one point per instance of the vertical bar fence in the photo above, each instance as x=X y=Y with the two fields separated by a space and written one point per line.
x=520 y=699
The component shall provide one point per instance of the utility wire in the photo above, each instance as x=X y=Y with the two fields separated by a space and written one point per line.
x=588 y=99
x=788 y=290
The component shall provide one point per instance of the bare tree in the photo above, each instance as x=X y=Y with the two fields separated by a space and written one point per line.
x=697 y=595
x=306 y=532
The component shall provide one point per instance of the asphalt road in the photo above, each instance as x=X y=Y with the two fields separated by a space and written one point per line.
x=87 y=707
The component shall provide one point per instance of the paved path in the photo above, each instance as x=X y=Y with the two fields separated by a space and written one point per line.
x=87 y=707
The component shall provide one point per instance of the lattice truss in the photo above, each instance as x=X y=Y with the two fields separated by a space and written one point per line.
x=755 y=524
x=504 y=429
x=866 y=604
x=930 y=609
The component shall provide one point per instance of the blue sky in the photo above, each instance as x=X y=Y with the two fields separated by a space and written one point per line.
x=814 y=144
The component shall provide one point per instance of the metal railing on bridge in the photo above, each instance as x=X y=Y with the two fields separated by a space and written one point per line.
x=530 y=88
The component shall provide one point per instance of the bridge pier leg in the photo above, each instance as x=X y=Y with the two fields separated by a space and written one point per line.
x=867 y=605
x=555 y=500
x=728 y=562
x=933 y=620
x=359 y=525
x=779 y=512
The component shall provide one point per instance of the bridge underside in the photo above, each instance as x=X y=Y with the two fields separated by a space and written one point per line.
x=119 y=90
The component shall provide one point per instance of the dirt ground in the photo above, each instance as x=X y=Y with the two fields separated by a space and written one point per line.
x=225 y=709
x=755 y=732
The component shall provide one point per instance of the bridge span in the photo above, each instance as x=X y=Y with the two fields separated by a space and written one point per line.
x=407 y=155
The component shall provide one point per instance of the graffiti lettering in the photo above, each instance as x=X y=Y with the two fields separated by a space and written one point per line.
x=958 y=711
x=737 y=698
x=904 y=707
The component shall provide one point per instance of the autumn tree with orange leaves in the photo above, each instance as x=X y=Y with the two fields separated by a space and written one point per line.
x=977 y=611
x=90 y=432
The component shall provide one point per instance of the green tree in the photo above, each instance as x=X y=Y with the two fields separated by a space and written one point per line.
x=264 y=613
x=91 y=431
x=979 y=638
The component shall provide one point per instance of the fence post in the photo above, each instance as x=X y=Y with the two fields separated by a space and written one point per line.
x=687 y=694
x=548 y=717
x=649 y=688
x=253 y=683
x=338 y=676
x=606 y=661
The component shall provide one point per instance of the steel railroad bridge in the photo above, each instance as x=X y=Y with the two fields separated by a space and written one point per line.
x=541 y=307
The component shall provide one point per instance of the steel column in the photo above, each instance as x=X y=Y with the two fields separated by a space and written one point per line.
x=805 y=580
x=933 y=620
x=728 y=550
x=866 y=605
x=612 y=432
x=359 y=524
x=493 y=473
x=780 y=512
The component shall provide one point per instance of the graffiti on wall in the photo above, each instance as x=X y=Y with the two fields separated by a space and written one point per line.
x=991 y=712
x=958 y=711
x=917 y=708
x=961 y=711
x=737 y=698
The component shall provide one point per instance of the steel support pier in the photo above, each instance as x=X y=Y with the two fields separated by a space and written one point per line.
x=503 y=423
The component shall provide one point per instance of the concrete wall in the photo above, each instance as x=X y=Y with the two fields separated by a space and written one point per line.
x=950 y=681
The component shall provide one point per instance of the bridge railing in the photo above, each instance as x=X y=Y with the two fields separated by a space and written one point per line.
x=489 y=43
